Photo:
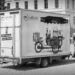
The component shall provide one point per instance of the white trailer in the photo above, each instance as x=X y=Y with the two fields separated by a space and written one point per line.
x=29 y=36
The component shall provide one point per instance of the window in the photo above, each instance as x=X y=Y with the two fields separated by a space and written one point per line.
x=17 y=5
x=67 y=3
x=35 y=4
x=8 y=5
x=56 y=3
x=46 y=4
x=73 y=4
x=26 y=4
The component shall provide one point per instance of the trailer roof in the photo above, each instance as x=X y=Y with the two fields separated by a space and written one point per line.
x=35 y=11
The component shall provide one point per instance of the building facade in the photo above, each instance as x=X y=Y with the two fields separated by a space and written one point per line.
x=57 y=6
x=46 y=5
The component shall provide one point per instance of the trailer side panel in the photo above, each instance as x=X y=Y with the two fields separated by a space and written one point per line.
x=31 y=24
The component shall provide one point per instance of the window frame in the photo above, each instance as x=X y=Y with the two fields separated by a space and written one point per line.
x=8 y=5
x=56 y=3
x=17 y=5
x=26 y=4
x=46 y=4
x=73 y=4
x=68 y=2
x=35 y=4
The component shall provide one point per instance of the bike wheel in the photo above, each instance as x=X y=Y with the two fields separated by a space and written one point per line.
x=38 y=47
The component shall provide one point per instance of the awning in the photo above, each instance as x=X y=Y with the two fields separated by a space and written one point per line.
x=53 y=19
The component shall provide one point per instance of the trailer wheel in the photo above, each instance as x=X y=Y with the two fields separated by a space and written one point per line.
x=38 y=61
x=44 y=62
x=38 y=47
x=15 y=63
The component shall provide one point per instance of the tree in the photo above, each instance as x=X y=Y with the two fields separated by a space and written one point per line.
x=2 y=4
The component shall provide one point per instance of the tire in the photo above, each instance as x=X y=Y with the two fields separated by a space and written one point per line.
x=15 y=63
x=44 y=62
x=38 y=61
x=38 y=47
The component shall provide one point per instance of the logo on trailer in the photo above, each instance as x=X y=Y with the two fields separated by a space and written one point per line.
x=27 y=17
x=6 y=36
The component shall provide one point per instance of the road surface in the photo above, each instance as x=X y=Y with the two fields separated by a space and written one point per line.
x=66 y=67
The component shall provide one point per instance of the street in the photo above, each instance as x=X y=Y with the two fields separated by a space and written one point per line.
x=64 y=67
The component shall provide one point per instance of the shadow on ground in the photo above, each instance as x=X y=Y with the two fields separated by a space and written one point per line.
x=25 y=67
